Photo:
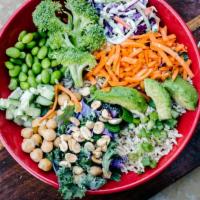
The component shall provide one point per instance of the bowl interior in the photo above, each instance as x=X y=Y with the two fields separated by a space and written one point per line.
x=10 y=133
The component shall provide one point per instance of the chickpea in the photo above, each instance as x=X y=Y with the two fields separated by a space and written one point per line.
x=45 y=165
x=89 y=146
x=36 y=155
x=57 y=142
x=49 y=134
x=77 y=170
x=47 y=146
x=28 y=145
x=74 y=121
x=27 y=132
x=62 y=98
x=70 y=157
x=40 y=129
x=37 y=139
x=96 y=105
x=95 y=171
x=89 y=124
x=98 y=127
x=36 y=122
x=51 y=124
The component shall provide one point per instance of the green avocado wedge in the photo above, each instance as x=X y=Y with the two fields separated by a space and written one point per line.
x=161 y=98
x=128 y=98
x=182 y=92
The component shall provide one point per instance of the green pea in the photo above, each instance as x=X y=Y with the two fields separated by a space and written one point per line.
x=32 y=81
x=147 y=147
x=27 y=38
x=42 y=42
x=13 y=52
x=42 y=34
x=35 y=35
x=39 y=79
x=23 y=55
x=9 y=65
x=24 y=68
x=36 y=60
x=45 y=76
x=54 y=63
x=42 y=53
x=19 y=45
x=21 y=35
x=153 y=116
x=30 y=73
x=24 y=85
x=36 y=68
x=22 y=77
x=45 y=63
x=55 y=76
x=34 y=51
x=31 y=44
x=29 y=60
x=16 y=61
x=13 y=84
x=14 y=72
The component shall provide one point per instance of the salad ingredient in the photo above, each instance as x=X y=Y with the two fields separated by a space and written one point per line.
x=27 y=133
x=76 y=61
x=13 y=52
x=45 y=164
x=139 y=57
x=47 y=146
x=37 y=139
x=36 y=155
x=160 y=97
x=128 y=98
x=182 y=92
x=28 y=145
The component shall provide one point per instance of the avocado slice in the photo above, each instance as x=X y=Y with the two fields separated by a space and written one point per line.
x=126 y=97
x=161 y=98
x=182 y=92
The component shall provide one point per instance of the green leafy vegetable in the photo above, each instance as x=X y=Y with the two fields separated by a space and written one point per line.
x=113 y=128
x=127 y=116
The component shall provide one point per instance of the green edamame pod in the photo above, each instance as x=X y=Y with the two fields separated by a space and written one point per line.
x=42 y=42
x=34 y=51
x=55 y=76
x=45 y=63
x=29 y=60
x=22 y=77
x=45 y=76
x=42 y=53
x=36 y=68
x=19 y=45
x=32 y=81
x=15 y=72
x=16 y=61
x=23 y=55
x=24 y=68
x=27 y=38
x=24 y=85
x=9 y=65
x=21 y=35
x=31 y=44
x=13 y=52
x=13 y=84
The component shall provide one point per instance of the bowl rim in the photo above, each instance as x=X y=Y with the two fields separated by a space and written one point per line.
x=144 y=179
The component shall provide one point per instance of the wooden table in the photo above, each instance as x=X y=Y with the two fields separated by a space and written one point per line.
x=17 y=184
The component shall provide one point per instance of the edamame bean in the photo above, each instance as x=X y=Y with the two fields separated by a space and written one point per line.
x=31 y=44
x=9 y=65
x=24 y=68
x=42 y=53
x=27 y=38
x=55 y=76
x=13 y=84
x=19 y=45
x=13 y=52
x=34 y=51
x=14 y=72
x=21 y=35
x=35 y=35
x=16 y=61
x=29 y=60
x=36 y=60
x=39 y=79
x=63 y=69
x=22 y=77
x=54 y=63
x=36 y=68
x=42 y=42
x=30 y=73
x=32 y=81
x=24 y=85
x=45 y=63
x=45 y=76
x=23 y=55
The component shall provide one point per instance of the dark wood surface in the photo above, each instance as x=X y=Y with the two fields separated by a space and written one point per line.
x=17 y=184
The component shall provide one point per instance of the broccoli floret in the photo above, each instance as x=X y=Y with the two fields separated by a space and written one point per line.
x=44 y=17
x=76 y=61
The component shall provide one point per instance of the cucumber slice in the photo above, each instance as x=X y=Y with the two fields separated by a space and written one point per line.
x=14 y=103
x=43 y=101
x=4 y=104
x=46 y=91
x=16 y=94
x=33 y=112
x=9 y=114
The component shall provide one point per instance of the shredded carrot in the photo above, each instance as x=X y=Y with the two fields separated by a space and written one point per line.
x=122 y=22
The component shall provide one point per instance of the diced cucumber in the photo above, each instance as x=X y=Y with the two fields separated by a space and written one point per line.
x=46 y=91
x=28 y=123
x=18 y=121
x=16 y=94
x=26 y=99
x=18 y=112
x=14 y=103
x=33 y=112
x=9 y=114
x=4 y=104
x=43 y=101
